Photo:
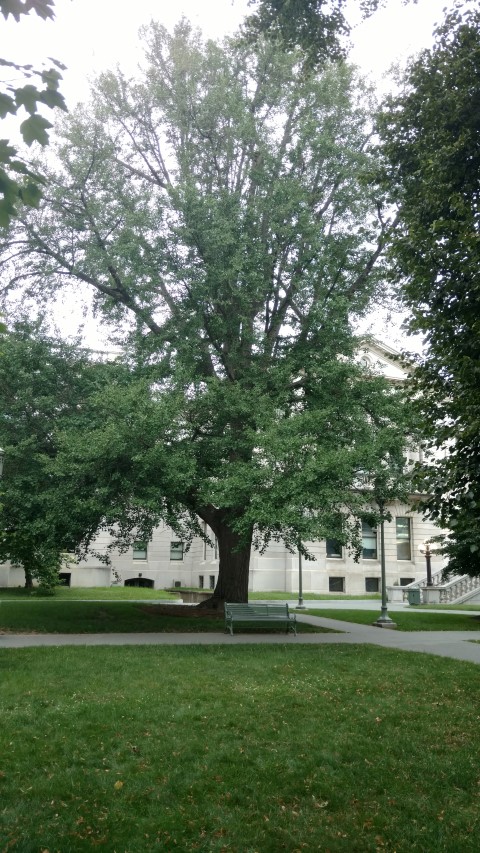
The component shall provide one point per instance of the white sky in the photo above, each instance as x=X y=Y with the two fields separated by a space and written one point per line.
x=89 y=36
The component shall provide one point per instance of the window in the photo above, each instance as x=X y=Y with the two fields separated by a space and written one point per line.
x=200 y=581
x=212 y=581
x=334 y=549
x=406 y=581
x=336 y=584
x=404 y=545
x=176 y=550
x=369 y=542
x=372 y=584
x=139 y=550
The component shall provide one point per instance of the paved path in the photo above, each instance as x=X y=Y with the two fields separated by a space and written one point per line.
x=452 y=644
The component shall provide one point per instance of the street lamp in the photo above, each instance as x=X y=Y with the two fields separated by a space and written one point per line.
x=427 y=548
x=300 y=579
x=383 y=620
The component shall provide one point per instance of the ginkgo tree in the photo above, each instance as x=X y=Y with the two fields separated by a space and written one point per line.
x=222 y=213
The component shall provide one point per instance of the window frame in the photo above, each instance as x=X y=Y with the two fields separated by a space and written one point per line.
x=140 y=553
x=373 y=536
x=177 y=549
x=403 y=540
x=330 y=545
x=336 y=578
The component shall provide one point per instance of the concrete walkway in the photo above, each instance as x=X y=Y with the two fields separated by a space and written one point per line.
x=451 y=644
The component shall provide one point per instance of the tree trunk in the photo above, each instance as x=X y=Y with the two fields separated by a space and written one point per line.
x=28 y=577
x=233 y=570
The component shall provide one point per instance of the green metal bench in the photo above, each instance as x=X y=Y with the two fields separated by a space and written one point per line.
x=262 y=613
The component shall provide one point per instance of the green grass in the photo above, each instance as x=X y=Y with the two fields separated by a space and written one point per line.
x=126 y=593
x=449 y=607
x=102 y=593
x=310 y=596
x=239 y=749
x=72 y=617
x=414 y=620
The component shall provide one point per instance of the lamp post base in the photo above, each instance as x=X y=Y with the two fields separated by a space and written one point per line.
x=384 y=622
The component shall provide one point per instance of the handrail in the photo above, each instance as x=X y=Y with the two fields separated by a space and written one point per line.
x=450 y=591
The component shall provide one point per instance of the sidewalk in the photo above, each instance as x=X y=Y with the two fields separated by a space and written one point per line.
x=452 y=644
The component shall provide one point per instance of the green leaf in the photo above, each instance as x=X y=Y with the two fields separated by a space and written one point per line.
x=7 y=105
x=34 y=129
x=31 y=194
x=51 y=98
x=51 y=78
x=27 y=96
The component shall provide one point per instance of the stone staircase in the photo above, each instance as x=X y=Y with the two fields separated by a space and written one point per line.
x=457 y=590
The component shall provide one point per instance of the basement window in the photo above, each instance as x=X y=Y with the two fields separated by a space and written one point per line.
x=336 y=584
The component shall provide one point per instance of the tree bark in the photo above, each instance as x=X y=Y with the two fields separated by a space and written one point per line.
x=234 y=567
x=28 y=577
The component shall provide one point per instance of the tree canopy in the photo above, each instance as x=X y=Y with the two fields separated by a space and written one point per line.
x=431 y=135
x=223 y=213
x=319 y=27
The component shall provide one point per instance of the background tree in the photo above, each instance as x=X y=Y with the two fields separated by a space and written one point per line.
x=223 y=213
x=319 y=27
x=43 y=384
x=431 y=138
x=18 y=181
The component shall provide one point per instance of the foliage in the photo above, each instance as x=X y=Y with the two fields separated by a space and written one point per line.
x=42 y=384
x=141 y=749
x=224 y=214
x=319 y=27
x=431 y=136
x=18 y=182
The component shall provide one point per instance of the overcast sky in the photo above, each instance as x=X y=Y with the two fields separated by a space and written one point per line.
x=89 y=36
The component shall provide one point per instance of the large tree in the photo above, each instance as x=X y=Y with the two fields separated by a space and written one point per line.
x=222 y=212
x=431 y=137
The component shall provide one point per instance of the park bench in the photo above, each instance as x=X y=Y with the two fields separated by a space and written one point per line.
x=262 y=613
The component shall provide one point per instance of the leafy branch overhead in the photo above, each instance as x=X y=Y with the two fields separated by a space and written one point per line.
x=17 y=180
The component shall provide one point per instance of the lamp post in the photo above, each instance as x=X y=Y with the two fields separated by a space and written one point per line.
x=300 y=579
x=426 y=549
x=383 y=620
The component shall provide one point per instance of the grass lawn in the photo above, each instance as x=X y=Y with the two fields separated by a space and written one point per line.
x=126 y=593
x=310 y=596
x=238 y=750
x=102 y=593
x=415 y=620
x=80 y=617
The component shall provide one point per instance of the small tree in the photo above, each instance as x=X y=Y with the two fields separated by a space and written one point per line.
x=43 y=383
